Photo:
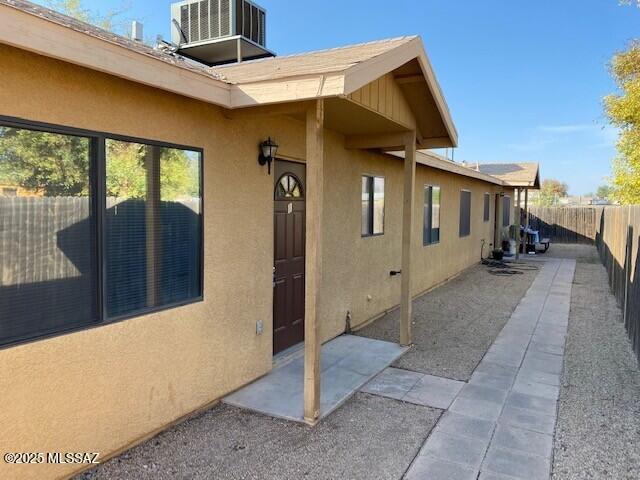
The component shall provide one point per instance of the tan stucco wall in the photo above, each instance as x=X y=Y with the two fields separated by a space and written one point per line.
x=103 y=388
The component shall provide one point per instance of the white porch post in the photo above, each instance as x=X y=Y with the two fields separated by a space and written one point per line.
x=407 y=236
x=313 y=259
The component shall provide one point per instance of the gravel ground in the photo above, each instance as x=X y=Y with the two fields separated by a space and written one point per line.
x=368 y=437
x=598 y=429
x=455 y=324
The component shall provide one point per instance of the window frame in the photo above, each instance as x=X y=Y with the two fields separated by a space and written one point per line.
x=506 y=212
x=486 y=206
x=430 y=187
x=371 y=210
x=468 y=234
x=97 y=181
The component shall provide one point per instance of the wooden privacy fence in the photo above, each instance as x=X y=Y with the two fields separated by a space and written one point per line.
x=565 y=224
x=616 y=233
x=618 y=241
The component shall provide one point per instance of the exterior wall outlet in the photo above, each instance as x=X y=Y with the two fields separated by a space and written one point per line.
x=259 y=327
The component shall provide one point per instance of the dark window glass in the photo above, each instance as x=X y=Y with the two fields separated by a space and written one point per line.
x=152 y=226
x=487 y=199
x=465 y=213
x=431 y=228
x=372 y=206
x=506 y=211
x=47 y=234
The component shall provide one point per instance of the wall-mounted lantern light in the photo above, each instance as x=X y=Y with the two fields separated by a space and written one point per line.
x=268 y=150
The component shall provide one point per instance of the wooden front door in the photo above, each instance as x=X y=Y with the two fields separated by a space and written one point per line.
x=289 y=244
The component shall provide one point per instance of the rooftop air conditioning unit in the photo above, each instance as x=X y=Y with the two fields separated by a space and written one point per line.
x=219 y=31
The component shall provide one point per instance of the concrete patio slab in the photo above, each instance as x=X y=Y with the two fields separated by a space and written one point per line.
x=348 y=362
x=414 y=387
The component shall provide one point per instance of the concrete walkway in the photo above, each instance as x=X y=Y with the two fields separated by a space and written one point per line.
x=500 y=424
x=348 y=362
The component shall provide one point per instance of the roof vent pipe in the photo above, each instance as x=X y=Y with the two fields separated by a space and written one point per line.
x=136 y=31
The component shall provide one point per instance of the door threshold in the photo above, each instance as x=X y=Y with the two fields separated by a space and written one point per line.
x=288 y=354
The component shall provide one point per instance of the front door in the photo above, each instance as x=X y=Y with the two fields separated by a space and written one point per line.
x=289 y=244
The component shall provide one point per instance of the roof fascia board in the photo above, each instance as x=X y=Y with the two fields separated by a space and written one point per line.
x=287 y=90
x=436 y=91
x=363 y=73
x=38 y=35
x=435 y=162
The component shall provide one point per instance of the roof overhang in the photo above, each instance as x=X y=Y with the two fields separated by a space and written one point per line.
x=28 y=31
x=32 y=28
x=439 y=162
x=410 y=66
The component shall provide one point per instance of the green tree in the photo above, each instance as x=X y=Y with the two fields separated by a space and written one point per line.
x=605 y=192
x=623 y=110
x=111 y=20
x=550 y=191
x=55 y=165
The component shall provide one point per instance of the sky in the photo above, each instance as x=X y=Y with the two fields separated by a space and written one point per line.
x=524 y=80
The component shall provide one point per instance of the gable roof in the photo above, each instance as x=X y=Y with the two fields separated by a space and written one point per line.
x=308 y=63
x=526 y=174
x=333 y=73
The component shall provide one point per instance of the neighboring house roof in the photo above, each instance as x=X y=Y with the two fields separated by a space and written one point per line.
x=334 y=73
x=514 y=174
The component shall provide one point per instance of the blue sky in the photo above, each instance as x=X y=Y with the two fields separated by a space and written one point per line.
x=524 y=80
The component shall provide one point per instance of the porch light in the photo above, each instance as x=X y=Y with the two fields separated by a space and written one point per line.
x=268 y=150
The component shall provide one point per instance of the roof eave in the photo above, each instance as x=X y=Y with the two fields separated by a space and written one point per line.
x=43 y=36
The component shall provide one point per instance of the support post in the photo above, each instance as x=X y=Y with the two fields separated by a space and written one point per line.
x=313 y=259
x=526 y=220
x=407 y=236
x=498 y=220
x=518 y=218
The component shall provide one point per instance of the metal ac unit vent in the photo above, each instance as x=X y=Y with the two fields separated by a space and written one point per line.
x=219 y=31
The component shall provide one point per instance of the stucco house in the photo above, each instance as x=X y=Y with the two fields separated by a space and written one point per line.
x=166 y=258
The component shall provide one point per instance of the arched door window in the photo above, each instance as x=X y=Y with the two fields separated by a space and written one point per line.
x=289 y=187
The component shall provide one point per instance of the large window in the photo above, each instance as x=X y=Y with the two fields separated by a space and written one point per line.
x=93 y=229
x=465 y=213
x=372 y=206
x=431 y=226
x=506 y=211
x=486 y=207
x=152 y=226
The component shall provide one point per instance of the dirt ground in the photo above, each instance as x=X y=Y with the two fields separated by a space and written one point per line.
x=368 y=437
x=598 y=428
x=455 y=324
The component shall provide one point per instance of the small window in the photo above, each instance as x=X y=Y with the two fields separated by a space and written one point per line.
x=465 y=213
x=487 y=202
x=372 y=206
x=431 y=226
x=288 y=187
x=506 y=211
x=9 y=192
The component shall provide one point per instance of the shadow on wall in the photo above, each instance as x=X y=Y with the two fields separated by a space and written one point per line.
x=48 y=262
x=625 y=288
